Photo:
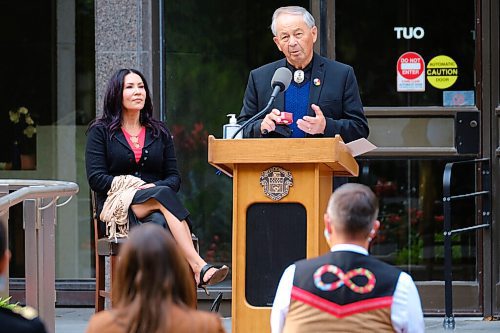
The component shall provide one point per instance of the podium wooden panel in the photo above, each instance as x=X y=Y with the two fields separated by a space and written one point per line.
x=313 y=162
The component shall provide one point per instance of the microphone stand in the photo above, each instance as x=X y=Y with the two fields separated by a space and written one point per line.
x=262 y=112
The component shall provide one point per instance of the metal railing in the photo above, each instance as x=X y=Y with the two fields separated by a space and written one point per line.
x=39 y=198
x=449 y=319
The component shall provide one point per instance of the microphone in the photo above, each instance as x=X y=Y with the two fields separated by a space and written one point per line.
x=279 y=83
x=281 y=79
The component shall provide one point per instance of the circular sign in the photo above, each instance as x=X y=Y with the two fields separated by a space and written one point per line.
x=410 y=65
x=442 y=72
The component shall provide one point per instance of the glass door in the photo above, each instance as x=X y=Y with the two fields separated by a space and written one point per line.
x=417 y=66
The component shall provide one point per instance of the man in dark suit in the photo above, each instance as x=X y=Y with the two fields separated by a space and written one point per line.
x=15 y=318
x=323 y=95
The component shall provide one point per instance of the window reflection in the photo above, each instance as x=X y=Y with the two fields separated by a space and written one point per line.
x=19 y=132
x=411 y=216
x=206 y=76
x=27 y=94
x=36 y=134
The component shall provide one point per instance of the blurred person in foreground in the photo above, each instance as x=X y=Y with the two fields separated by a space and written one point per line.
x=16 y=319
x=323 y=95
x=347 y=290
x=153 y=291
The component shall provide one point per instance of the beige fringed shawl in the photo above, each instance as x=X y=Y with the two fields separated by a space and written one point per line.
x=115 y=210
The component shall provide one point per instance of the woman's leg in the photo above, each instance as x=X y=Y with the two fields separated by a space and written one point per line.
x=180 y=231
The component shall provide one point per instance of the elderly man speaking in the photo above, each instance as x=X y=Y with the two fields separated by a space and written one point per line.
x=323 y=96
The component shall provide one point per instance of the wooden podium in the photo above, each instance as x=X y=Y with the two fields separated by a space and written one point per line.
x=271 y=231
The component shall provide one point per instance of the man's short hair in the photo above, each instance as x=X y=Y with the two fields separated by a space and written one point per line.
x=352 y=209
x=292 y=10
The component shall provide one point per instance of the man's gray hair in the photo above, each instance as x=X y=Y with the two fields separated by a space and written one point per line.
x=292 y=10
x=353 y=208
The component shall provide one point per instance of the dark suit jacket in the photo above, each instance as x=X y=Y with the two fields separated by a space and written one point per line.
x=14 y=322
x=107 y=157
x=337 y=96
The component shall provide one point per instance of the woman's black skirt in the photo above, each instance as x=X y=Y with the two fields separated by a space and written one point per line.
x=166 y=197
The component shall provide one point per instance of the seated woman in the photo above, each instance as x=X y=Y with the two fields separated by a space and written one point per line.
x=126 y=140
x=152 y=292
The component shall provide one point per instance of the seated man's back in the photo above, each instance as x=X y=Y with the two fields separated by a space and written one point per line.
x=347 y=290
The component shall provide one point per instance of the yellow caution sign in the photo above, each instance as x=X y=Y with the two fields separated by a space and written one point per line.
x=442 y=72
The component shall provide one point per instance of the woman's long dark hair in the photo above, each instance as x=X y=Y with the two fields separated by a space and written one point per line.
x=113 y=103
x=151 y=275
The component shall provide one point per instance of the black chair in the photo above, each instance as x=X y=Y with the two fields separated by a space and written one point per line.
x=105 y=247
x=216 y=303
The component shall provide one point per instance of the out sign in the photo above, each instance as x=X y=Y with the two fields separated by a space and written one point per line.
x=409 y=32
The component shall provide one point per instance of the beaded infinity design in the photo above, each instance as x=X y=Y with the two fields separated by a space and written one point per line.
x=344 y=279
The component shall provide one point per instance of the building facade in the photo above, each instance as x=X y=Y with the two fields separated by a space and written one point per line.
x=428 y=74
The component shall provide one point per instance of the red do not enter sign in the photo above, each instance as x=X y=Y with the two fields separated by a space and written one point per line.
x=410 y=65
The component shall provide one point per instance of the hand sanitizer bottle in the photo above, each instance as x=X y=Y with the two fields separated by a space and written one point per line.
x=231 y=128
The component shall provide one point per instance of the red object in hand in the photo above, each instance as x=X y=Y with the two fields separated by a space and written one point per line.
x=286 y=118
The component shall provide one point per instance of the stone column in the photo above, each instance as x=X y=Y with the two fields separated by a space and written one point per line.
x=123 y=39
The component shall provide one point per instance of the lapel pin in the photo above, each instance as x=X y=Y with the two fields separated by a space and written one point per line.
x=316 y=82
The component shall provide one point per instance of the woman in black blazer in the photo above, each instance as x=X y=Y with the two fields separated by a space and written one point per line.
x=127 y=140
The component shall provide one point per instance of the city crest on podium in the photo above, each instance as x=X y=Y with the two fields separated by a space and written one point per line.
x=276 y=182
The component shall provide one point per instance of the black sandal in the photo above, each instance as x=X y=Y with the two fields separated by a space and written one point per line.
x=219 y=276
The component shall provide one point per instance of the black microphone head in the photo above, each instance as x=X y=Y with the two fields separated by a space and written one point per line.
x=282 y=78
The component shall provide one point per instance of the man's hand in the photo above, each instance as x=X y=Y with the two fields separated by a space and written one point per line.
x=313 y=125
x=269 y=122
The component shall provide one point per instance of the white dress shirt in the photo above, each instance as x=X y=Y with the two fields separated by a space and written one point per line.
x=406 y=311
